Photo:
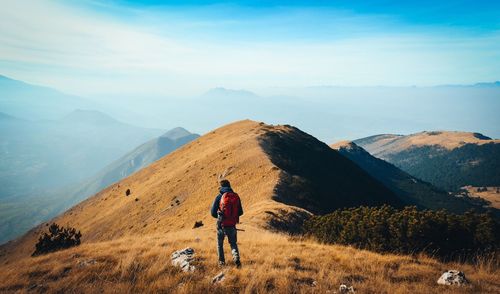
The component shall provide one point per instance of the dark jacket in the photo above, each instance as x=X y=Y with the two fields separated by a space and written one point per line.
x=215 y=205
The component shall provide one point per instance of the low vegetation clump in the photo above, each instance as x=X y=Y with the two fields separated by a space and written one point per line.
x=450 y=170
x=58 y=238
x=408 y=230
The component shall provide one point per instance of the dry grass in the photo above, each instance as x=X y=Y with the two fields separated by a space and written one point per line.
x=271 y=263
x=489 y=195
x=449 y=140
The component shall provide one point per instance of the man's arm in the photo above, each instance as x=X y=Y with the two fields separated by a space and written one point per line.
x=215 y=206
x=240 y=208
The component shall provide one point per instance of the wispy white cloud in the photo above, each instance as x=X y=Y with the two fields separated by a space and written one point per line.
x=167 y=52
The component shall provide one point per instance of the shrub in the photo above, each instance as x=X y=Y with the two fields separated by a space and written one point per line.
x=58 y=238
x=408 y=230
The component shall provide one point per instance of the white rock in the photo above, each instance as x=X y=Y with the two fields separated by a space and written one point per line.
x=219 y=278
x=183 y=258
x=345 y=289
x=85 y=263
x=452 y=277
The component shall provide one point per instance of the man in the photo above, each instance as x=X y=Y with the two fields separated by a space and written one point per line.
x=227 y=209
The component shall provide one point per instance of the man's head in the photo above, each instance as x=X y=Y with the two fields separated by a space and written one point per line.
x=225 y=183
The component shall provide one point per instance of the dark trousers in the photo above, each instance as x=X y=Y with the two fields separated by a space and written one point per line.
x=231 y=234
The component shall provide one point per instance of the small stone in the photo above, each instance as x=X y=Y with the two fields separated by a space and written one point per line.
x=346 y=289
x=219 y=278
x=452 y=277
x=198 y=224
x=85 y=263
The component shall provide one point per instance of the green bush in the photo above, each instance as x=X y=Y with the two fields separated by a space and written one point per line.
x=57 y=239
x=408 y=230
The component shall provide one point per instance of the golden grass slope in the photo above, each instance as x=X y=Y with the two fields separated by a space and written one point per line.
x=386 y=144
x=341 y=144
x=272 y=263
x=492 y=195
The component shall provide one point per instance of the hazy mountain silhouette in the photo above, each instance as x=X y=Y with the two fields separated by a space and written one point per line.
x=54 y=153
x=90 y=117
x=229 y=93
x=36 y=102
x=41 y=159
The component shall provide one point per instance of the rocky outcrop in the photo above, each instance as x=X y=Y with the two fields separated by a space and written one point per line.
x=183 y=259
x=452 y=277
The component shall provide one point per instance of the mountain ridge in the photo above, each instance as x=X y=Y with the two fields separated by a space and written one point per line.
x=89 y=116
x=448 y=160
x=177 y=190
x=410 y=189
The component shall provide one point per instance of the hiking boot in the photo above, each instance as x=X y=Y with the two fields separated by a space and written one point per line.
x=222 y=263
x=238 y=264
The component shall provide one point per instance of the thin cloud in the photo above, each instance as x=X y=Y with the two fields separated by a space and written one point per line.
x=167 y=51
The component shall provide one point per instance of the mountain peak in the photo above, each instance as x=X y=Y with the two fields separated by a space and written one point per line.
x=221 y=92
x=447 y=139
x=350 y=145
x=444 y=139
x=487 y=85
x=176 y=133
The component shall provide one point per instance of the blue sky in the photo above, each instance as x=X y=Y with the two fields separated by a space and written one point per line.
x=183 y=48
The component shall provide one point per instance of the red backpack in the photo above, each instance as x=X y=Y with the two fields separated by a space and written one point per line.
x=229 y=206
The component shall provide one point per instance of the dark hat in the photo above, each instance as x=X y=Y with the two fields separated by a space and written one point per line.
x=225 y=183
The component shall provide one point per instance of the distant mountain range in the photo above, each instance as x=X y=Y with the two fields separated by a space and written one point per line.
x=52 y=142
x=386 y=109
x=53 y=153
x=49 y=191
x=221 y=92
x=448 y=160
x=33 y=102
x=411 y=190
